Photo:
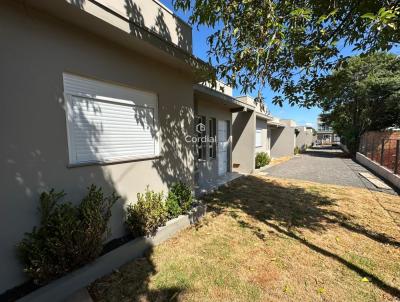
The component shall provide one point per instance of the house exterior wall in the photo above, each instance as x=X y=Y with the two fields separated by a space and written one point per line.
x=34 y=153
x=150 y=14
x=243 y=141
x=325 y=137
x=304 y=138
x=207 y=170
x=282 y=141
x=262 y=124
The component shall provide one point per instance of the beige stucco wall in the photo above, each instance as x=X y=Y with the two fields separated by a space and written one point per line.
x=207 y=170
x=150 y=14
x=282 y=141
x=304 y=138
x=243 y=141
x=35 y=51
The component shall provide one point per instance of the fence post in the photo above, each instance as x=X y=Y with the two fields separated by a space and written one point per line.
x=382 y=150
x=396 y=161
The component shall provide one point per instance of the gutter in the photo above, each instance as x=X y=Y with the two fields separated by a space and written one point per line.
x=215 y=93
x=264 y=117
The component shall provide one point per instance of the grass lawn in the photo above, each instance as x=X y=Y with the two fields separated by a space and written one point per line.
x=269 y=239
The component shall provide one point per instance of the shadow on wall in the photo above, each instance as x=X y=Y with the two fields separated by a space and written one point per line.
x=27 y=173
x=163 y=33
x=140 y=30
x=138 y=27
x=275 y=134
x=34 y=160
x=160 y=33
x=238 y=126
x=287 y=210
x=161 y=27
x=176 y=160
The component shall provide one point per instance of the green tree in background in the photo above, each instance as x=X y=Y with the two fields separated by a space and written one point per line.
x=290 y=45
x=362 y=94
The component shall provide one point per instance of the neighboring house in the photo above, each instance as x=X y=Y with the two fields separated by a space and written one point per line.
x=305 y=137
x=92 y=92
x=325 y=133
x=243 y=139
x=283 y=138
x=213 y=111
x=256 y=130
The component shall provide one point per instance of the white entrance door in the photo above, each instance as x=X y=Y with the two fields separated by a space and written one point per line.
x=223 y=146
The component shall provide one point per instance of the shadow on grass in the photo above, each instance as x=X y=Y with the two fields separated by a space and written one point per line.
x=287 y=208
x=131 y=283
x=284 y=209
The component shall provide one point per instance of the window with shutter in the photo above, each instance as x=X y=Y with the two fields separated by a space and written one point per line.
x=109 y=123
x=258 y=138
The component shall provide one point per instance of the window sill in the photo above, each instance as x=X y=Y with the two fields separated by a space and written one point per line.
x=113 y=162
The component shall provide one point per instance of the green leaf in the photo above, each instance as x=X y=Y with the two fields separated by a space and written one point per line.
x=370 y=16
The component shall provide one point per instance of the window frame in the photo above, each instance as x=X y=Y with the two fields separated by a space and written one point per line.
x=102 y=96
x=212 y=133
x=201 y=146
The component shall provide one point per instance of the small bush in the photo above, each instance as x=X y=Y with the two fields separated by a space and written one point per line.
x=147 y=214
x=172 y=205
x=184 y=195
x=262 y=159
x=296 y=150
x=68 y=237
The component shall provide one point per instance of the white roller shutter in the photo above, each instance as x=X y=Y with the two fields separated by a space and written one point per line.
x=258 y=138
x=108 y=123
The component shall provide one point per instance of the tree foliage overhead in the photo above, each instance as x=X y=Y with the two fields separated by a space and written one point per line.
x=289 y=44
x=362 y=94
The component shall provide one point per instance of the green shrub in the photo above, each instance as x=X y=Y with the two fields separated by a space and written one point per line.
x=172 y=205
x=147 y=214
x=262 y=159
x=296 y=150
x=68 y=237
x=184 y=195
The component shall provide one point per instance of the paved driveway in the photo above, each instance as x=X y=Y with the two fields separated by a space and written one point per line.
x=324 y=165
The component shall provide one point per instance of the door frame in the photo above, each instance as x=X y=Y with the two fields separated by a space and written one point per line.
x=228 y=149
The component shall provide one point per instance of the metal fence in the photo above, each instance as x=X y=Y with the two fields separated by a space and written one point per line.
x=386 y=152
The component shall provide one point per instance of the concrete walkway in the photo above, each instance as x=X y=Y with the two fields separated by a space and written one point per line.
x=327 y=165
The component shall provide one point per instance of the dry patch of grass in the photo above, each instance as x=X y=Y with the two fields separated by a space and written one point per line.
x=269 y=239
x=279 y=160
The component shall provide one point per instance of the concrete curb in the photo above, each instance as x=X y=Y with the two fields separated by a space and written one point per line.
x=63 y=288
x=378 y=169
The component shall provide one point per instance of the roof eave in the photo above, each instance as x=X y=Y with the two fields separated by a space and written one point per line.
x=219 y=97
x=133 y=36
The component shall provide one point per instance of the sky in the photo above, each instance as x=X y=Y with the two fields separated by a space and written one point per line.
x=302 y=116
